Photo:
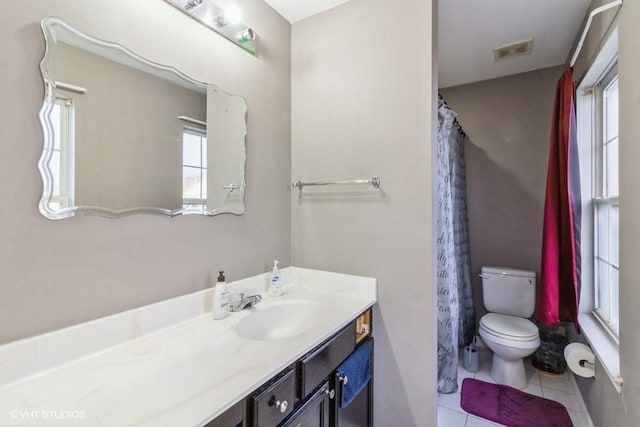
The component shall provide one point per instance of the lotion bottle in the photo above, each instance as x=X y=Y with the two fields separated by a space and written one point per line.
x=275 y=289
x=220 y=298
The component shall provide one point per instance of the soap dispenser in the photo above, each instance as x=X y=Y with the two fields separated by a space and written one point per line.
x=220 y=298
x=275 y=289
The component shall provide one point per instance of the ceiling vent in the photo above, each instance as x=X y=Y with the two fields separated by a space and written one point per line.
x=513 y=50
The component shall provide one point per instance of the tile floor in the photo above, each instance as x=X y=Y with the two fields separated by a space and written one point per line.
x=561 y=388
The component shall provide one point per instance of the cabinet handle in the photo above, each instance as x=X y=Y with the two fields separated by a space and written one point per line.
x=331 y=393
x=278 y=404
x=343 y=379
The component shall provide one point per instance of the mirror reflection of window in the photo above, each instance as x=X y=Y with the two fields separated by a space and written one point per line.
x=61 y=165
x=194 y=168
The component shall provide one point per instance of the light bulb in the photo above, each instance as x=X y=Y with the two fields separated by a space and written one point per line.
x=192 y=4
x=233 y=14
x=245 y=36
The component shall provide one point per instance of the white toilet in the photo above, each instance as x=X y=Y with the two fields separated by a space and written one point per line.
x=509 y=296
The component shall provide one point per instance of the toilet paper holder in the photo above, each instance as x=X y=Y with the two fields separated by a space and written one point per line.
x=587 y=364
x=580 y=359
x=584 y=364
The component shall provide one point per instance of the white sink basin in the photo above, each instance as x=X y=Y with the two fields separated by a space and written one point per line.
x=280 y=321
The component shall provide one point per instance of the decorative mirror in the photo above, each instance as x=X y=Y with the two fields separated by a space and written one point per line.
x=124 y=135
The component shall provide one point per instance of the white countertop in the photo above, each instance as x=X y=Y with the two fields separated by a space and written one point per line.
x=182 y=374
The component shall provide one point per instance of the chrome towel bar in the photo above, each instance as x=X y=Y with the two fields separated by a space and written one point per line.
x=375 y=181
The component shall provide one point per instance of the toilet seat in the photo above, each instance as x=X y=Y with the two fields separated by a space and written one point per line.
x=510 y=328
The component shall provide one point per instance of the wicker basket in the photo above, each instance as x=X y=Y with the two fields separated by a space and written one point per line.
x=549 y=357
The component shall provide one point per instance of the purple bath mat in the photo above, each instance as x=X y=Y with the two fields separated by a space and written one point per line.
x=511 y=407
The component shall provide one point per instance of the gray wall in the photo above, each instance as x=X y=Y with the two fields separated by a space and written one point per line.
x=606 y=406
x=508 y=123
x=629 y=72
x=362 y=105
x=57 y=273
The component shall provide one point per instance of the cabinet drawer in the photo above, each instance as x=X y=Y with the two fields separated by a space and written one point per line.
x=274 y=402
x=317 y=365
x=312 y=412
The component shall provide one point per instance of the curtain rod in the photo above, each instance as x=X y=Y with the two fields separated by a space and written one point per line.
x=593 y=13
x=455 y=119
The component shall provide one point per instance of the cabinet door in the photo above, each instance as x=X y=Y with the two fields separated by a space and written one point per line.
x=359 y=413
x=313 y=412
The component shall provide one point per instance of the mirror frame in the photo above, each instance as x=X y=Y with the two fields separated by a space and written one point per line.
x=47 y=128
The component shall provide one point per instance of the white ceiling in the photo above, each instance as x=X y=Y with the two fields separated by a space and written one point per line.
x=297 y=10
x=469 y=30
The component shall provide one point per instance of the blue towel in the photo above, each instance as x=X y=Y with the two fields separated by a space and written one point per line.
x=357 y=368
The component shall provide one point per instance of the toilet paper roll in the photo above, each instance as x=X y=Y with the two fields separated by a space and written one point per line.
x=576 y=355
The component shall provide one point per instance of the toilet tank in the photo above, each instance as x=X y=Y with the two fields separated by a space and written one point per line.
x=509 y=291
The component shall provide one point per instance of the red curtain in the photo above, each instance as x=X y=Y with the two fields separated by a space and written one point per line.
x=560 y=276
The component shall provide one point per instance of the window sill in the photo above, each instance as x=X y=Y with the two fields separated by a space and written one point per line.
x=605 y=348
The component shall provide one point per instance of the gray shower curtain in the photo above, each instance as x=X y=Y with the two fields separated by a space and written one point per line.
x=456 y=317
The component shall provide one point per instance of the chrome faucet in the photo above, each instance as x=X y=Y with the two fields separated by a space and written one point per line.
x=238 y=302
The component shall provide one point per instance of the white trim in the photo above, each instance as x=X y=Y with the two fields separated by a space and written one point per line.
x=606 y=326
x=593 y=13
x=585 y=107
x=602 y=343
x=602 y=63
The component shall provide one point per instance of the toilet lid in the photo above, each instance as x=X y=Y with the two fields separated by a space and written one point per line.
x=502 y=325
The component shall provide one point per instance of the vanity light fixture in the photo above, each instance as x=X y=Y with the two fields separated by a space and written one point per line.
x=232 y=15
x=192 y=4
x=220 y=20
x=227 y=22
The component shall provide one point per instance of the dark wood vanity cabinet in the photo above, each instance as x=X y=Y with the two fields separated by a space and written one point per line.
x=308 y=393
x=232 y=417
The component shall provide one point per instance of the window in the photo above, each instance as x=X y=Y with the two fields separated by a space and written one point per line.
x=61 y=163
x=194 y=168
x=605 y=202
x=597 y=127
